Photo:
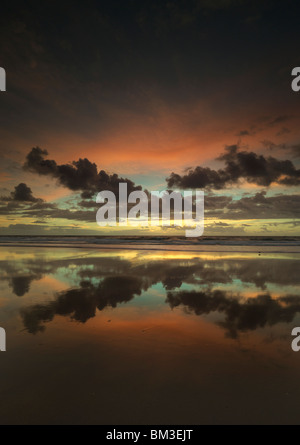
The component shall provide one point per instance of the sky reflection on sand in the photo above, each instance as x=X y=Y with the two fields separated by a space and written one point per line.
x=158 y=337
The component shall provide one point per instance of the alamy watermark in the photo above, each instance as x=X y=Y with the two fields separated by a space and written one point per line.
x=295 y=343
x=296 y=81
x=152 y=209
x=2 y=340
x=2 y=79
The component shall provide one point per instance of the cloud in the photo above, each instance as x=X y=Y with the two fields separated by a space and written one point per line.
x=265 y=123
x=257 y=206
x=57 y=213
x=260 y=206
x=22 y=193
x=44 y=230
x=279 y=120
x=216 y=202
x=294 y=149
x=243 y=133
x=81 y=175
x=255 y=169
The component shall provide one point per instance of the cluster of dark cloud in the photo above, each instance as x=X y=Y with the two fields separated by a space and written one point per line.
x=260 y=206
x=240 y=316
x=21 y=203
x=257 y=206
x=239 y=165
x=22 y=193
x=81 y=175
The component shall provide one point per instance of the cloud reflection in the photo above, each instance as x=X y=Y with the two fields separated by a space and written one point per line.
x=240 y=316
x=200 y=286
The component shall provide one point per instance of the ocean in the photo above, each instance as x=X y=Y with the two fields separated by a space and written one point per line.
x=211 y=243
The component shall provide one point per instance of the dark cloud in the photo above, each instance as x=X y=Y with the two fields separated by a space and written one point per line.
x=10 y=207
x=81 y=175
x=260 y=206
x=257 y=206
x=265 y=123
x=37 y=208
x=243 y=133
x=249 y=166
x=22 y=193
x=57 y=213
x=43 y=229
x=293 y=149
x=215 y=202
x=279 y=120
x=272 y=146
x=88 y=204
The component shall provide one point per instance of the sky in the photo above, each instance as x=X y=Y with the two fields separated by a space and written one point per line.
x=159 y=94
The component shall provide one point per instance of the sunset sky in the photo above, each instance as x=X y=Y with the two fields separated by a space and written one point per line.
x=165 y=94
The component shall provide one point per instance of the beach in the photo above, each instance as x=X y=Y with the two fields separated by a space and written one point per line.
x=142 y=335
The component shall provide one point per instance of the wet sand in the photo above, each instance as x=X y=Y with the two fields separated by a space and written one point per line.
x=116 y=336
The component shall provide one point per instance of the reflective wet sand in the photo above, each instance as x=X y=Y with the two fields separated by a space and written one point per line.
x=148 y=337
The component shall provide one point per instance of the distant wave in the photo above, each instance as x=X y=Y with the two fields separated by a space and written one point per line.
x=213 y=243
